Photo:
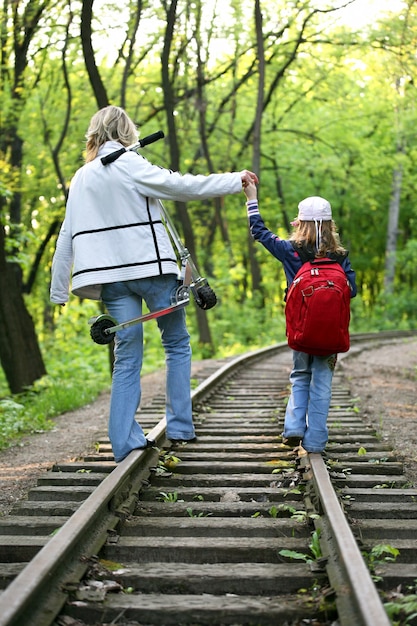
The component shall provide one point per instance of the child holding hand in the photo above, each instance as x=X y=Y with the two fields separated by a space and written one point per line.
x=315 y=236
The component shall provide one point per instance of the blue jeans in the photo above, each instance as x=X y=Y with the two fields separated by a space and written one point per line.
x=124 y=302
x=309 y=402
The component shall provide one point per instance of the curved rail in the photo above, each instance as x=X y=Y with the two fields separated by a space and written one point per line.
x=30 y=590
x=25 y=599
x=358 y=601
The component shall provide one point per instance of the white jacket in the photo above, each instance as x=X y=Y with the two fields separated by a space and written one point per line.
x=112 y=229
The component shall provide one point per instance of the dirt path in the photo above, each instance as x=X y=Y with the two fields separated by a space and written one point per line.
x=385 y=382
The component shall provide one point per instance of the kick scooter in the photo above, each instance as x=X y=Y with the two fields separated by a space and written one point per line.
x=104 y=326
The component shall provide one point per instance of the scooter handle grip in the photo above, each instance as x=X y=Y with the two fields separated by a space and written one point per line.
x=151 y=138
x=112 y=156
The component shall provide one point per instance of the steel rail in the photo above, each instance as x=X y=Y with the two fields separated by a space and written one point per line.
x=345 y=561
x=28 y=590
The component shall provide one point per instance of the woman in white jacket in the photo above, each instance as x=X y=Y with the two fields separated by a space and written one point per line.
x=115 y=247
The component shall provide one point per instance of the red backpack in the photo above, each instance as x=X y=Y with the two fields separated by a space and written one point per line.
x=318 y=308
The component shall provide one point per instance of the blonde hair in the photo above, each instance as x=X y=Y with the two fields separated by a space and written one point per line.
x=109 y=124
x=304 y=236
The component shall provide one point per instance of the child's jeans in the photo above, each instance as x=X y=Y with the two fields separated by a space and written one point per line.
x=308 y=405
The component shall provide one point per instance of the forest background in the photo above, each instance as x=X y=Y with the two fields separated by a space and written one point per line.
x=311 y=95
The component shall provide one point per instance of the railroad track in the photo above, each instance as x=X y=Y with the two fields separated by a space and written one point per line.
x=235 y=529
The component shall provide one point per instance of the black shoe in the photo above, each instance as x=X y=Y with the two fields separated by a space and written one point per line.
x=179 y=441
x=292 y=442
x=150 y=443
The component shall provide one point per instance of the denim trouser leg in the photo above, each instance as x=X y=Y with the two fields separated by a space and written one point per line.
x=316 y=435
x=308 y=405
x=124 y=302
x=296 y=411
x=124 y=432
x=176 y=343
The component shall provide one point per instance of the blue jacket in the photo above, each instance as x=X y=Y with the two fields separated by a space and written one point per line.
x=283 y=250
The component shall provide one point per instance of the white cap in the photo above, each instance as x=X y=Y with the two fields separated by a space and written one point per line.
x=314 y=208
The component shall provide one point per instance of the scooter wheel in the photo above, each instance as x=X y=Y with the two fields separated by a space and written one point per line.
x=181 y=293
x=206 y=297
x=97 y=331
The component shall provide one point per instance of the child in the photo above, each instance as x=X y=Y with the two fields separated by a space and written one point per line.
x=311 y=377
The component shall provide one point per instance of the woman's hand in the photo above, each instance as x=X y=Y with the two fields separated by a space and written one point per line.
x=248 y=177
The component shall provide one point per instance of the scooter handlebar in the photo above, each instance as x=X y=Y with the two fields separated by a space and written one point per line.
x=151 y=138
x=113 y=156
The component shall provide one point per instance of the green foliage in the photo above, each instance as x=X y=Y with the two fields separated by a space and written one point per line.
x=33 y=410
x=11 y=419
x=402 y=608
x=78 y=371
x=239 y=326
x=167 y=462
x=191 y=513
x=282 y=510
x=314 y=546
x=169 y=497
x=379 y=553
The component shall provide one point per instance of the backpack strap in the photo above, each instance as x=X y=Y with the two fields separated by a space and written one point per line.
x=338 y=257
x=305 y=254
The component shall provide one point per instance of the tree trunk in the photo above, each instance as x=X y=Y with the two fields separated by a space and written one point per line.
x=392 y=230
x=89 y=58
x=20 y=355
x=181 y=209
x=394 y=205
x=256 y=156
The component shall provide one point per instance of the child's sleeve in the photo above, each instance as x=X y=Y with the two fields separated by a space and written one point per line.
x=261 y=233
x=351 y=276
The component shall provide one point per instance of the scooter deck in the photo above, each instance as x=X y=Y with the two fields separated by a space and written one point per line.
x=149 y=316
